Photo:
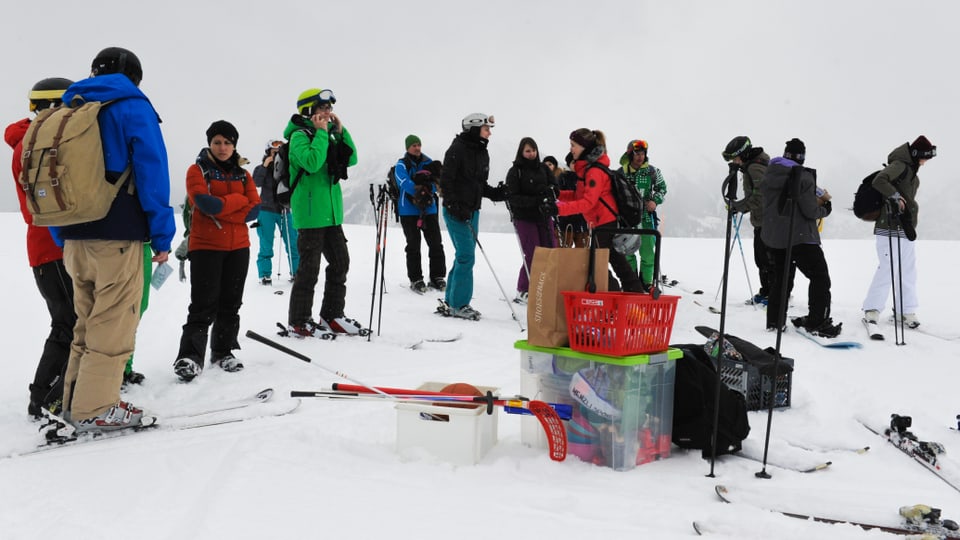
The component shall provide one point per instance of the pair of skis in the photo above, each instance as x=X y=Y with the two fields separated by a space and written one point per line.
x=60 y=434
x=919 y=522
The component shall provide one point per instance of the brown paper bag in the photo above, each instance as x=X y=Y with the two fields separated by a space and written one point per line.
x=554 y=270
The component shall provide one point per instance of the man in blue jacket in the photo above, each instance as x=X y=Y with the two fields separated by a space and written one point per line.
x=417 y=207
x=105 y=257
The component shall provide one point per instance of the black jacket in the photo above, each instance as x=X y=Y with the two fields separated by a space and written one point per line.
x=529 y=182
x=466 y=167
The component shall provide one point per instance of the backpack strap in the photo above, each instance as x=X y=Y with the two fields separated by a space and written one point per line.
x=296 y=180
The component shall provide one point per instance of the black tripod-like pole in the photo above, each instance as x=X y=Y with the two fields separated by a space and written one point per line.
x=893 y=216
x=793 y=192
x=379 y=212
x=729 y=194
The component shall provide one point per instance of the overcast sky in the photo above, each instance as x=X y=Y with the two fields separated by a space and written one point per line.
x=853 y=79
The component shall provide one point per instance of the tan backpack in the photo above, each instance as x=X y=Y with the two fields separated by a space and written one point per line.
x=63 y=174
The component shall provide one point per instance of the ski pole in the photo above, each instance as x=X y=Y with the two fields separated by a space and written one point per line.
x=516 y=234
x=270 y=343
x=376 y=258
x=564 y=411
x=743 y=257
x=383 y=259
x=891 y=212
x=502 y=291
x=285 y=224
x=733 y=217
x=900 y=313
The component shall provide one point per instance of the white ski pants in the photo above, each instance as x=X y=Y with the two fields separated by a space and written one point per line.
x=906 y=267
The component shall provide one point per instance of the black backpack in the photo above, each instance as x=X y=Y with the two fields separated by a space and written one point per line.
x=283 y=186
x=867 y=201
x=694 y=396
x=393 y=190
x=625 y=193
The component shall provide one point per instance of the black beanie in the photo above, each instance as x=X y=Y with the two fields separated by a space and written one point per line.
x=551 y=159
x=223 y=128
x=795 y=150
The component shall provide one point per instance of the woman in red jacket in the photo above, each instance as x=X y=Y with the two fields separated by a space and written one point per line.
x=593 y=199
x=223 y=198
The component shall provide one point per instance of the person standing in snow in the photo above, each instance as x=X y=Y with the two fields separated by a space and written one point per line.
x=463 y=185
x=790 y=188
x=594 y=199
x=649 y=181
x=531 y=199
x=273 y=216
x=223 y=199
x=46 y=260
x=573 y=229
x=416 y=176
x=898 y=219
x=105 y=258
x=752 y=162
x=321 y=150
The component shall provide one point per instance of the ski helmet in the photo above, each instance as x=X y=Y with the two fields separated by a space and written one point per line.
x=627 y=243
x=312 y=97
x=48 y=93
x=476 y=120
x=736 y=147
x=117 y=60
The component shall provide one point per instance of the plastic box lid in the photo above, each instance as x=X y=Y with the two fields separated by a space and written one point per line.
x=637 y=359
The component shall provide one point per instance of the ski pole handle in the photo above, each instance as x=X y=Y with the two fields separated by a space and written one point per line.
x=270 y=343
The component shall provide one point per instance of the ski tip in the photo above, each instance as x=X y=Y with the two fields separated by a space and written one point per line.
x=722 y=492
x=698 y=528
x=264 y=394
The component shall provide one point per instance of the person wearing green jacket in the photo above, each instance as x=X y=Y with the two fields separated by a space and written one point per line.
x=320 y=151
x=649 y=181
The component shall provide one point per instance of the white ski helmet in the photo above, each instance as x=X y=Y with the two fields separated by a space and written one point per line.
x=627 y=243
x=476 y=120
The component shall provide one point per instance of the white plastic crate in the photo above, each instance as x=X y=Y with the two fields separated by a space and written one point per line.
x=456 y=435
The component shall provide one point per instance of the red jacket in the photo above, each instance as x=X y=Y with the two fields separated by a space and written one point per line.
x=40 y=246
x=586 y=199
x=239 y=197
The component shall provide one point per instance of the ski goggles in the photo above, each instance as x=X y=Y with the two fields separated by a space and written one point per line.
x=323 y=97
x=274 y=144
x=638 y=146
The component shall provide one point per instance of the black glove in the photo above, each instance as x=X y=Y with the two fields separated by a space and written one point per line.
x=460 y=211
x=422 y=178
x=828 y=205
x=498 y=194
x=548 y=207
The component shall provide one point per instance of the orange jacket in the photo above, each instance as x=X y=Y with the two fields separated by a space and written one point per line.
x=586 y=199
x=227 y=230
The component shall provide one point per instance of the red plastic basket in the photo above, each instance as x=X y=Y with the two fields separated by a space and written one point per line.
x=617 y=323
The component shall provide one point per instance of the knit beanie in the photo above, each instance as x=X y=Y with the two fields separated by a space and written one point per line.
x=583 y=137
x=922 y=149
x=411 y=140
x=795 y=150
x=223 y=128
x=551 y=159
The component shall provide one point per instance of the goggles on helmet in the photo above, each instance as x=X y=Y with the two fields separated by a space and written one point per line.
x=639 y=145
x=478 y=120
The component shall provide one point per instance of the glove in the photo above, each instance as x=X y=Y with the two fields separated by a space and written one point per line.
x=548 y=207
x=733 y=167
x=422 y=178
x=829 y=206
x=208 y=204
x=459 y=211
x=498 y=194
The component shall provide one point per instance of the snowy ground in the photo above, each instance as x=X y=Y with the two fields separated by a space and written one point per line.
x=331 y=469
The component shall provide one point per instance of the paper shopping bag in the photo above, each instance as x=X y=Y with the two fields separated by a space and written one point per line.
x=555 y=270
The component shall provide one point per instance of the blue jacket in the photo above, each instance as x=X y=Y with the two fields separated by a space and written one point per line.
x=404 y=180
x=130 y=130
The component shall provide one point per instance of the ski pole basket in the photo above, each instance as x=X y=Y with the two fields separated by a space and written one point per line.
x=619 y=323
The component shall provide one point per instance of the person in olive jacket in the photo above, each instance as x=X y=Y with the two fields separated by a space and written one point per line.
x=898 y=182
x=531 y=199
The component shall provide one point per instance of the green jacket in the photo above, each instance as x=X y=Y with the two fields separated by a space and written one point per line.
x=650 y=183
x=898 y=160
x=317 y=201
x=753 y=170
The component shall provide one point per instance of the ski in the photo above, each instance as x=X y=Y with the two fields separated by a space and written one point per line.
x=829 y=343
x=262 y=396
x=711 y=309
x=814 y=448
x=805 y=469
x=58 y=438
x=873 y=330
x=286 y=331
x=672 y=283
x=450 y=339
x=925 y=453
x=919 y=521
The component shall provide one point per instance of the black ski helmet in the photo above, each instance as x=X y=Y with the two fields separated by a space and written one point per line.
x=117 y=60
x=736 y=147
x=48 y=93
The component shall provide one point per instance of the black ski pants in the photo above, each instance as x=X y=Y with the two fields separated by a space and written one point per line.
x=216 y=293
x=809 y=259
x=629 y=278
x=330 y=244
x=56 y=288
x=430 y=225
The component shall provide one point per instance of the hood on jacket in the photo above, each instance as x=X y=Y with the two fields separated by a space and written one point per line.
x=15 y=132
x=104 y=88
x=901 y=153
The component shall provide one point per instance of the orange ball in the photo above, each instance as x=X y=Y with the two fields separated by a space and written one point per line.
x=460 y=389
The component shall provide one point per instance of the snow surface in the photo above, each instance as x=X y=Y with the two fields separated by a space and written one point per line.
x=331 y=469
